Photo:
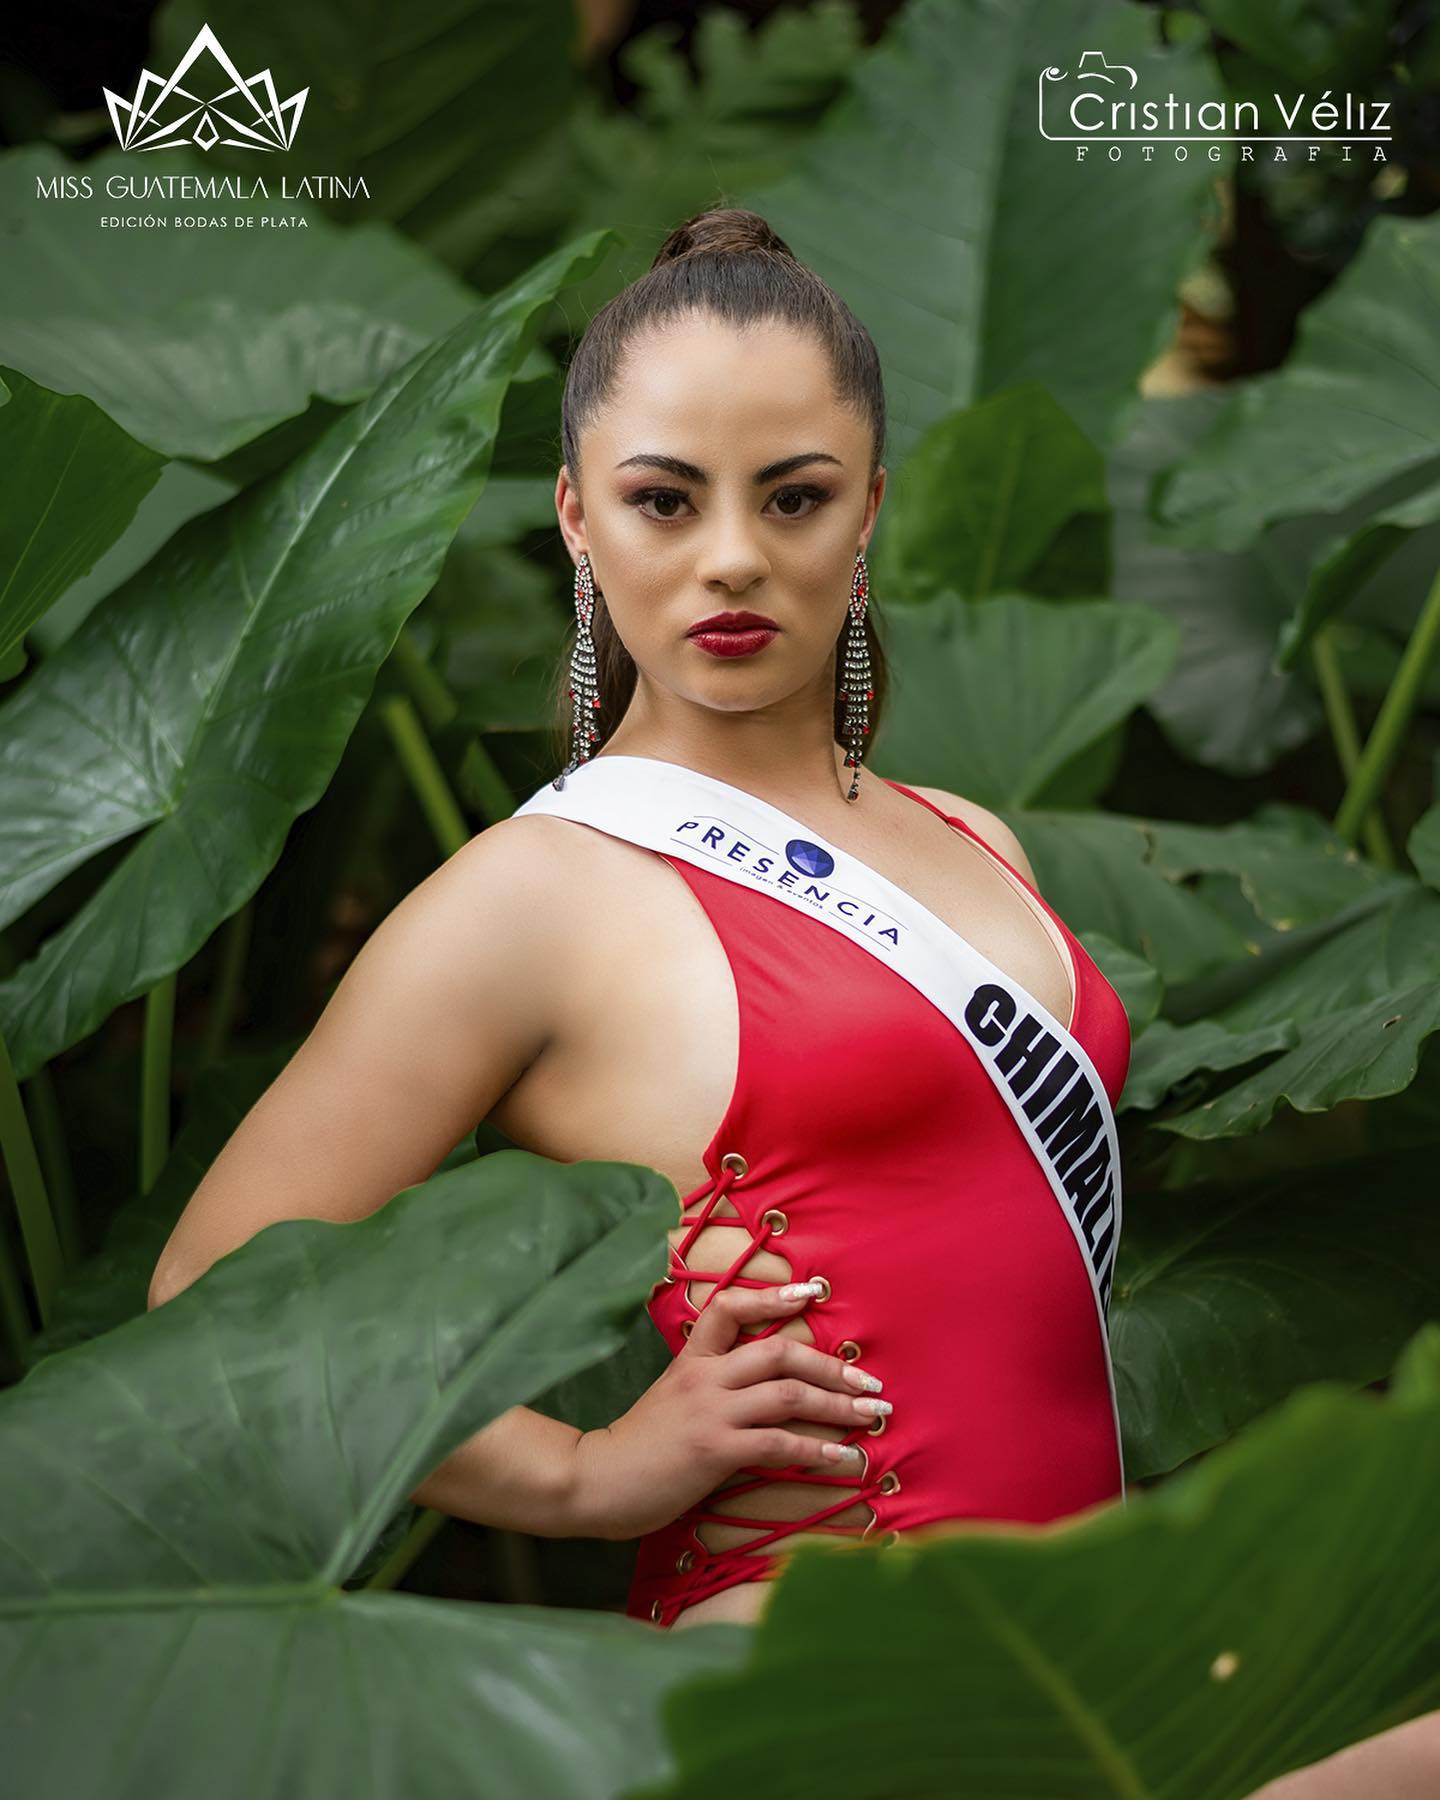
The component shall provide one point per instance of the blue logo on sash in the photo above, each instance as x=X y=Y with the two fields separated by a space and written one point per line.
x=808 y=858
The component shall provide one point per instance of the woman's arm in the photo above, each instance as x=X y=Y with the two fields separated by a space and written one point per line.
x=450 y=1000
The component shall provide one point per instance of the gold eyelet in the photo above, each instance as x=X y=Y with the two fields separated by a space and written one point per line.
x=685 y=1560
x=848 y=1351
x=879 y=1425
x=776 y=1220
x=686 y=1327
x=889 y=1482
x=824 y=1293
x=656 y=1609
x=890 y=1537
x=735 y=1161
x=669 y=1280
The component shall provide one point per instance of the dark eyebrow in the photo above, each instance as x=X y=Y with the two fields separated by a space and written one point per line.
x=688 y=471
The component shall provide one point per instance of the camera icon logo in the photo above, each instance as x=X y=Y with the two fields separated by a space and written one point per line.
x=1094 y=83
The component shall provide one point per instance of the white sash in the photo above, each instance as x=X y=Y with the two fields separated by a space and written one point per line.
x=1040 y=1071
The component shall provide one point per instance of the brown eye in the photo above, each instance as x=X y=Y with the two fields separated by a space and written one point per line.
x=787 y=498
x=659 y=497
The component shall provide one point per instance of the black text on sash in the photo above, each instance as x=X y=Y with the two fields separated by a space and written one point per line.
x=1059 y=1099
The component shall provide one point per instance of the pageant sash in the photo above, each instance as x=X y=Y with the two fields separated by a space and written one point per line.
x=1040 y=1071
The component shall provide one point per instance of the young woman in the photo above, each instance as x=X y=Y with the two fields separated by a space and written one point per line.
x=717 y=912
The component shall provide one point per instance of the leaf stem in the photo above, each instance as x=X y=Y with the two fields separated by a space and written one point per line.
x=1383 y=745
x=427 y=688
x=32 y=1208
x=421 y=765
x=1346 y=735
x=397 y=1564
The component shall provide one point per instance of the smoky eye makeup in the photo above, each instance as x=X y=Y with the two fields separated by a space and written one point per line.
x=798 y=500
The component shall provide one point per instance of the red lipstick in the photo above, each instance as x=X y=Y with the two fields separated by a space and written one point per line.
x=733 y=633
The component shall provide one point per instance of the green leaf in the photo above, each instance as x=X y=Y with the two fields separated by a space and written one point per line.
x=431 y=110
x=184 y=1497
x=1137 y=981
x=1363 y=989
x=720 y=116
x=112 y=1285
x=1163 y=1055
x=1230 y=1294
x=1360 y=1052
x=1347 y=561
x=993 y=699
x=978 y=253
x=1261 y=1610
x=1224 y=705
x=983 y=496
x=498 y=618
x=1353 y=405
x=1095 y=869
x=1341 y=41
x=183 y=490
x=193 y=343
x=205 y=703
x=1423 y=846
x=73 y=481
x=1291 y=865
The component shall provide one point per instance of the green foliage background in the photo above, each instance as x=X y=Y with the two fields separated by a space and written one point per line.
x=281 y=599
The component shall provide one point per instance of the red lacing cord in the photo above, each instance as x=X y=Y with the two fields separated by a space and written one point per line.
x=720 y=1574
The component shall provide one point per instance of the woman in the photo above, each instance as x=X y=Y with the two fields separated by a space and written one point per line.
x=913 y=1183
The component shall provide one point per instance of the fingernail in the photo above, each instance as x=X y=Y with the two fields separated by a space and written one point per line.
x=872 y=1406
x=841 y=1452
x=801 y=1290
x=868 y=1384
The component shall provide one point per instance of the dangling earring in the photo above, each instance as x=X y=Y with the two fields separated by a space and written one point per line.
x=856 y=691
x=584 y=689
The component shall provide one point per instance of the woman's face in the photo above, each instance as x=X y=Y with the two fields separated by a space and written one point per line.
x=724 y=476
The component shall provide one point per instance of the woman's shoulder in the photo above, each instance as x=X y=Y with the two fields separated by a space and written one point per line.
x=984 y=823
x=540 y=865
x=529 y=855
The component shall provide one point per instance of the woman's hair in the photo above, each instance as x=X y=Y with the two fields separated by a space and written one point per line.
x=730 y=264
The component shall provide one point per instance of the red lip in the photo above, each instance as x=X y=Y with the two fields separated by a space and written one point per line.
x=734 y=621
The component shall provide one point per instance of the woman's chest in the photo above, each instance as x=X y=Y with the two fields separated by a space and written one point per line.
x=690 y=987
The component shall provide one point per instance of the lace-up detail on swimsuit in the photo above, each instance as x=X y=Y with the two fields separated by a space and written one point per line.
x=718 y=1569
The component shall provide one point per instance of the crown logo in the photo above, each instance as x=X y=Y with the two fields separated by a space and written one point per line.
x=249 y=111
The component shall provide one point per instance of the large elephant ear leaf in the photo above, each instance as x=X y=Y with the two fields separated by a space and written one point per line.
x=1423 y=846
x=73 y=479
x=1224 y=705
x=184 y=1496
x=206 y=702
x=1368 y=352
x=1258 y=1612
x=1231 y=1292
x=984 y=499
x=1362 y=991
x=194 y=343
x=1082 y=667
x=980 y=253
x=1349 y=558
x=435 y=121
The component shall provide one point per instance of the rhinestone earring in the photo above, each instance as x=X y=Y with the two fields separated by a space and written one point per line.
x=856 y=691
x=584 y=689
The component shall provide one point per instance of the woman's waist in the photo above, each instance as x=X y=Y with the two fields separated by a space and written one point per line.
x=922 y=1476
x=931 y=1303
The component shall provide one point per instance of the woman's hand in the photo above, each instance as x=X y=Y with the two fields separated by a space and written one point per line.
x=717 y=1408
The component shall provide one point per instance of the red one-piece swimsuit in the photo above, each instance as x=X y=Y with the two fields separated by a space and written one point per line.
x=865 y=1144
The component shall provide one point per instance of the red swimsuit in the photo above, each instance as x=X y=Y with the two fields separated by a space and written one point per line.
x=865 y=1143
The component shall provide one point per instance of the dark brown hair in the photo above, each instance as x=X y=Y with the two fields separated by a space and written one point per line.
x=728 y=263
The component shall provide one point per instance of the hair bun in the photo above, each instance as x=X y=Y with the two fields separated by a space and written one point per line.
x=727 y=229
